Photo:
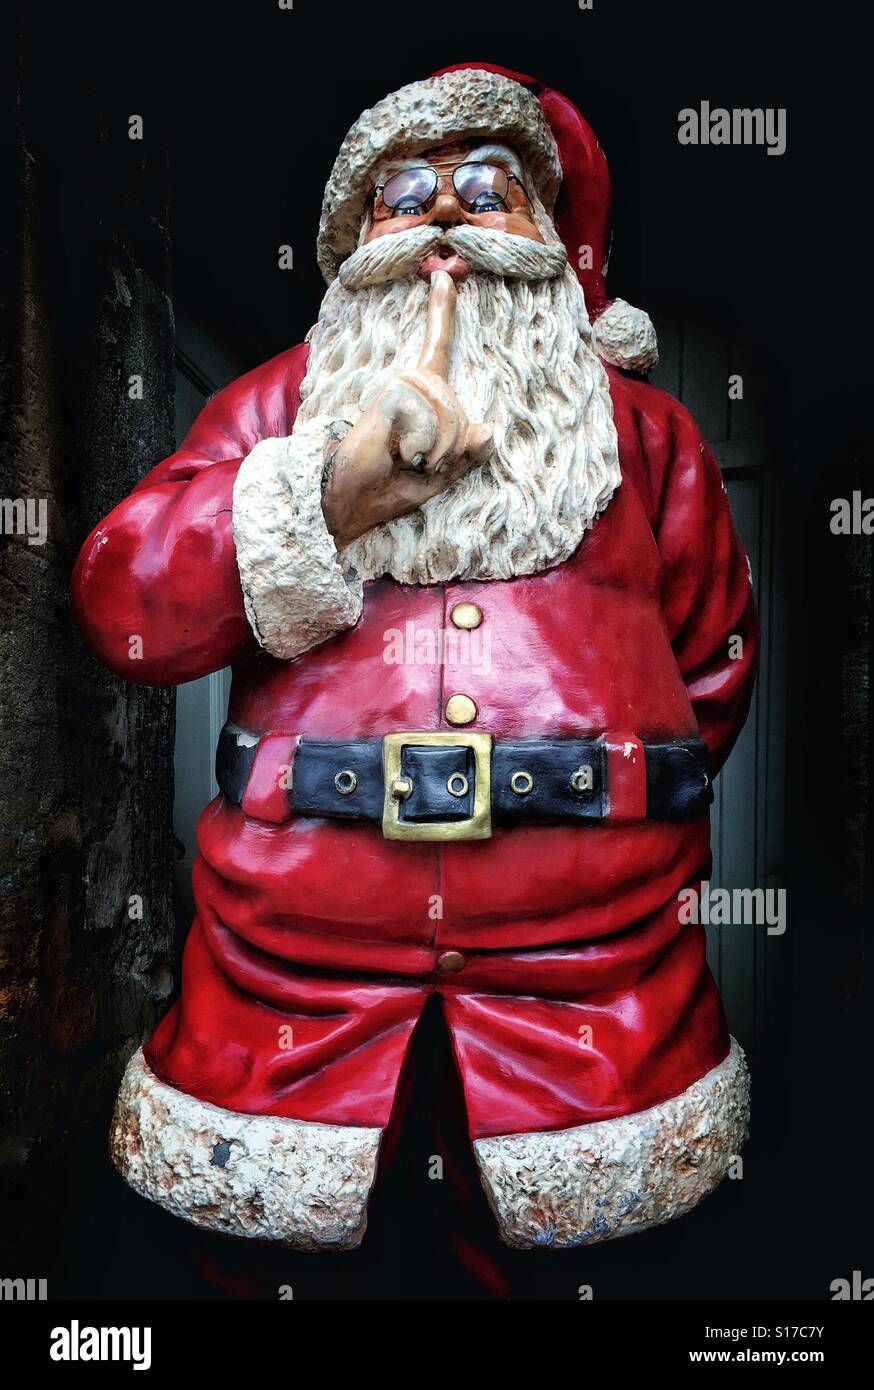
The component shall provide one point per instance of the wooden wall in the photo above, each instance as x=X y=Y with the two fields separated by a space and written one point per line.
x=748 y=814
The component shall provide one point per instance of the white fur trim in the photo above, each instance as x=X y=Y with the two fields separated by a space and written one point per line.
x=423 y=114
x=295 y=591
x=577 y=1186
x=625 y=337
x=260 y=1176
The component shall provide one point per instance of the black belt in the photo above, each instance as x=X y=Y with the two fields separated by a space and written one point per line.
x=452 y=785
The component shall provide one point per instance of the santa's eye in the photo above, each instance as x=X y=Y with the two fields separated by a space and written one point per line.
x=482 y=187
x=409 y=192
x=488 y=202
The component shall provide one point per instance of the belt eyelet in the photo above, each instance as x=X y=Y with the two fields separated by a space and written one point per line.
x=462 y=787
x=346 y=781
x=522 y=782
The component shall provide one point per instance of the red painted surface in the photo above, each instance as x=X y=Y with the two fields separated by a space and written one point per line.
x=563 y=927
x=325 y=925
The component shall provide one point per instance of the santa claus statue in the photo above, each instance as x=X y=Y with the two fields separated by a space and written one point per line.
x=492 y=638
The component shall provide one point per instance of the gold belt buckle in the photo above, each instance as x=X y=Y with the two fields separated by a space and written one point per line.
x=398 y=788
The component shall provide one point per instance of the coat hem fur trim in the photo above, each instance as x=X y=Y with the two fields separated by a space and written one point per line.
x=563 y=1188
x=294 y=1182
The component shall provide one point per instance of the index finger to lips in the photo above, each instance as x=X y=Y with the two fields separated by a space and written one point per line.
x=440 y=325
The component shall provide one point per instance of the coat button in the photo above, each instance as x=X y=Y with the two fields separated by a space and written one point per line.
x=460 y=709
x=466 y=615
x=450 y=962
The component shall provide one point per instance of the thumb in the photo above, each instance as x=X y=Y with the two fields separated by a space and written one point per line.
x=479 y=443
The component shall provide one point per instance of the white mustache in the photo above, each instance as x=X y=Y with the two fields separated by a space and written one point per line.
x=398 y=255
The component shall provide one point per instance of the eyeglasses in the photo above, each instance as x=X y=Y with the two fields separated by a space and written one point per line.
x=481 y=187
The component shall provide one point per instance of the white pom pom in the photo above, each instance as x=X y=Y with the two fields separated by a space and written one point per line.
x=625 y=337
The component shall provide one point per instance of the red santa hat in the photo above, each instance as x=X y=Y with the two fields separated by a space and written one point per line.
x=562 y=158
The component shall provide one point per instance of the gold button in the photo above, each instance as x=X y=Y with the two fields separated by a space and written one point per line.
x=466 y=615
x=460 y=709
x=450 y=962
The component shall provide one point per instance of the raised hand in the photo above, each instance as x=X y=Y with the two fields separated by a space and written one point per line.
x=412 y=443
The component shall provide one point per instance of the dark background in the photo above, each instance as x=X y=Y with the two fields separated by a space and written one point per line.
x=244 y=108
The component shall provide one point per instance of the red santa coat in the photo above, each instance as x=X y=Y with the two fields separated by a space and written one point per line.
x=332 y=929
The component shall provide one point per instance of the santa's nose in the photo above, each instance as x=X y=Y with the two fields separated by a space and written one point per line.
x=447 y=209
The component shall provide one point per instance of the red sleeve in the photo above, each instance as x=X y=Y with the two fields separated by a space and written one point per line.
x=156 y=590
x=707 y=595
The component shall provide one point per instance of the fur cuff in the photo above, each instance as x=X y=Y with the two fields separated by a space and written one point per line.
x=625 y=337
x=421 y=115
x=295 y=591
x=577 y=1186
x=302 y=1185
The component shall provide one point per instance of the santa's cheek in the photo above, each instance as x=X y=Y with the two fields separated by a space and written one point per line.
x=514 y=224
x=393 y=224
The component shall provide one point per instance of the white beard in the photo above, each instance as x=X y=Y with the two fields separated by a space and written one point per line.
x=521 y=362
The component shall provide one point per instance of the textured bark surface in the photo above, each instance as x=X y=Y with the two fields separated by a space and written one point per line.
x=85 y=759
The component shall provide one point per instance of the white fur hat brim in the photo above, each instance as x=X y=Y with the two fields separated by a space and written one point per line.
x=453 y=106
